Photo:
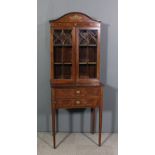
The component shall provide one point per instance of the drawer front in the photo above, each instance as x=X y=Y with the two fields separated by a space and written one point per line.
x=91 y=102
x=64 y=103
x=76 y=103
x=64 y=93
x=87 y=92
x=77 y=92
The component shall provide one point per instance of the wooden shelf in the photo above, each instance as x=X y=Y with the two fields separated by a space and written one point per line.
x=82 y=63
x=62 y=63
x=89 y=63
x=91 y=45
x=67 y=63
x=60 y=45
x=58 y=63
x=92 y=63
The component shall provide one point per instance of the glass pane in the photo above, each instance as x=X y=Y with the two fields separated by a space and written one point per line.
x=57 y=37
x=67 y=71
x=57 y=54
x=62 y=41
x=57 y=71
x=83 y=54
x=67 y=54
x=87 y=54
x=62 y=37
x=87 y=71
x=88 y=37
x=92 y=54
x=92 y=71
x=83 y=71
x=67 y=37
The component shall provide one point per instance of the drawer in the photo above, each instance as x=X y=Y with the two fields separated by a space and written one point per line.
x=87 y=92
x=64 y=103
x=64 y=93
x=77 y=92
x=91 y=102
x=75 y=103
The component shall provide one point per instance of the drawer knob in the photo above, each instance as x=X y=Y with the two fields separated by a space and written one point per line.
x=77 y=102
x=78 y=91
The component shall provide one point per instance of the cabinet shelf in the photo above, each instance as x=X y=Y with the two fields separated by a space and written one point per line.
x=58 y=63
x=67 y=63
x=87 y=45
x=92 y=63
x=61 y=45
x=89 y=63
x=62 y=63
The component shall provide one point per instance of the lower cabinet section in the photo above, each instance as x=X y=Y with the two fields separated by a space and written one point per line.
x=71 y=96
x=76 y=97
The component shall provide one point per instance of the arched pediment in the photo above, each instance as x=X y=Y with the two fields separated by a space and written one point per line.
x=74 y=17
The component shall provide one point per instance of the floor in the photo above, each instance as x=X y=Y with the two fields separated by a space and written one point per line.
x=77 y=144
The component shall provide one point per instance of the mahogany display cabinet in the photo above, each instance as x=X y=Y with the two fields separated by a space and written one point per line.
x=75 y=66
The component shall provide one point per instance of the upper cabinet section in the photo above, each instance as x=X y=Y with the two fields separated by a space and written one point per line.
x=75 y=19
x=75 y=49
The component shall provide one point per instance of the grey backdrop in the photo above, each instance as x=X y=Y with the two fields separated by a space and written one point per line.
x=79 y=120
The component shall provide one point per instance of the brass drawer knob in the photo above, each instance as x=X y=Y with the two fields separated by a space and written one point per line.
x=77 y=102
x=78 y=91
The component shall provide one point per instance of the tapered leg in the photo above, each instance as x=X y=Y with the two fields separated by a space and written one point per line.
x=100 y=124
x=100 y=115
x=53 y=125
x=57 y=128
x=93 y=120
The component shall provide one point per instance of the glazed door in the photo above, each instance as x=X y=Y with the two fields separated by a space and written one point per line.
x=63 y=63
x=88 y=54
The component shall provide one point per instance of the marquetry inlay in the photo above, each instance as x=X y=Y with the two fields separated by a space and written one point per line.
x=75 y=17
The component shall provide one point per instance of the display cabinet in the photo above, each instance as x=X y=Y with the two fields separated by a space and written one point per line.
x=75 y=66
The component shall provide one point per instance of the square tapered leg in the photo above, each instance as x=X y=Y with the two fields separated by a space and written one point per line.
x=53 y=125
x=100 y=124
x=93 y=120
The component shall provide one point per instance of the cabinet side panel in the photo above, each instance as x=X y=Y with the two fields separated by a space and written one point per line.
x=51 y=54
